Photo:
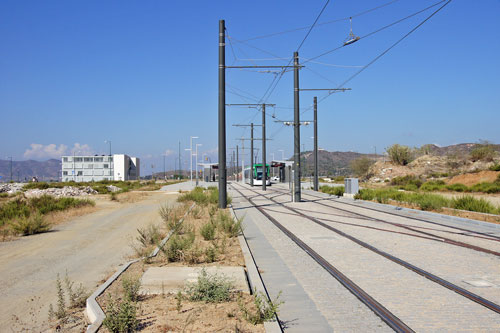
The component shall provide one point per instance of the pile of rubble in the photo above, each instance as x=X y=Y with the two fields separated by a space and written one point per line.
x=11 y=188
x=113 y=188
x=66 y=191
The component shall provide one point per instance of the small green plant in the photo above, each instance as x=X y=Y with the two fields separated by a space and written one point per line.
x=61 y=304
x=468 y=202
x=121 y=316
x=131 y=286
x=398 y=154
x=208 y=231
x=212 y=210
x=177 y=246
x=178 y=297
x=31 y=225
x=77 y=295
x=333 y=190
x=211 y=254
x=495 y=167
x=227 y=224
x=406 y=180
x=196 y=212
x=265 y=308
x=482 y=152
x=210 y=288
x=113 y=196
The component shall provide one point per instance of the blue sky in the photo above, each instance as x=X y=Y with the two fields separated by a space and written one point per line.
x=143 y=74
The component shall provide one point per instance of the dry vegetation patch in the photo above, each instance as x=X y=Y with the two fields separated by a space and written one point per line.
x=470 y=179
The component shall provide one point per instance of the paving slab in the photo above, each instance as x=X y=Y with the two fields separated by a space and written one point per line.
x=158 y=280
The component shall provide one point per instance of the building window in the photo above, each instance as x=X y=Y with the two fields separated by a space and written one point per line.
x=65 y=173
x=78 y=159
x=106 y=166
x=65 y=159
x=88 y=159
x=97 y=159
x=80 y=173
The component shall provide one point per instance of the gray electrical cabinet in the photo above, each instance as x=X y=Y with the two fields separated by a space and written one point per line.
x=351 y=186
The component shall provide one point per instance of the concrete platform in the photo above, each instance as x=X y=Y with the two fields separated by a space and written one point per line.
x=157 y=280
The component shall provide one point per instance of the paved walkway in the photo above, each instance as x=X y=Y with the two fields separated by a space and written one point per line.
x=314 y=301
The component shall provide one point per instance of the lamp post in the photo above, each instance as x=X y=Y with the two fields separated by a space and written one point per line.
x=197 y=145
x=282 y=154
x=203 y=161
x=191 y=157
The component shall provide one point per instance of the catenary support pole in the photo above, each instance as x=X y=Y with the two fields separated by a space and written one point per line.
x=222 y=116
x=296 y=124
x=316 y=143
x=251 y=154
x=264 y=169
x=237 y=164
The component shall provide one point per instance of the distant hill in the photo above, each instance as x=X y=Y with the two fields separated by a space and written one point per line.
x=21 y=170
x=461 y=149
x=334 y=163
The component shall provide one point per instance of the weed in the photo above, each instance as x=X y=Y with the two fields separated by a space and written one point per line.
x=482 y=152
x=212 y=210
x=211 y=254
x=121 y=316
x=495 y=167
x=52 y=314
x=208 y=231
x=333 y=190
x=177 y=246
x=61 y=305
x=457 y=187
x=406 y=180
x=228 y=225
x=113 y=196
x=166 y=212
x=131 y=286
x=468 y=202
x=196 y=212
x=193 y=255
x=77 y=296
x=265 y=308
x=31 y=225
x=210 y=288
x=178 y=297
x=361 y=166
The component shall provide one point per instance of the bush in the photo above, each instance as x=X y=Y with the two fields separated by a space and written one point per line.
x=333 y=190
x=177 y=246
x=131 y=286
x=227 y=224
x=482 y=152
x=121 y=316
x=265 y=309
x=31 y=225
x=361 y=166
x=457 y=187
x=495 y=167
x=433 y=186
x=210 y=288
x=398 y=154
x=406 y=180
x=486 y=187
x=208 y=231
x=468 y=202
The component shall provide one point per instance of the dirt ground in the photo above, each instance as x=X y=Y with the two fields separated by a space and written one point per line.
x=163 y=313
x=470 y=179
x=88 y=247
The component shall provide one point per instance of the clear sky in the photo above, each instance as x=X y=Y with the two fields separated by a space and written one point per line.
x=143 y=74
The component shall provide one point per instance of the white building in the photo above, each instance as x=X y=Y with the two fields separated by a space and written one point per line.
x=97 y=168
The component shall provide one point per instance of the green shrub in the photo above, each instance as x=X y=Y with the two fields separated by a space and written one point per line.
x=468 y=202
x=431 y=202
x=34 y=224
x=411 y=187
x=121 y=316
x=398 y=154
x=131 y=286
x=208 y=231
x=265 y=309
x=361 y=166
x=333 y=190
x=210 y=288
x=457 y=187
x=495 y=167
x=482 y=152
x=211 y=254
x=406 y=180
x=432 y=186
x=227 y=224
x=486 y=187
x=177 y=246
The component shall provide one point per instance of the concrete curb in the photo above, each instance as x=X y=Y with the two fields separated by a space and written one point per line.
x=254 y=278
x=93 y=310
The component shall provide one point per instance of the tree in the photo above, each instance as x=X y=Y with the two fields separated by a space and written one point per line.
x=361 y=166
x=399 y=154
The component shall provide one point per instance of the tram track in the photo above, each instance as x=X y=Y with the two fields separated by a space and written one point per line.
x=432 y=277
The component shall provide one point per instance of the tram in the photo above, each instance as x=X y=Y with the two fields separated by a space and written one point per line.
x=257 y=175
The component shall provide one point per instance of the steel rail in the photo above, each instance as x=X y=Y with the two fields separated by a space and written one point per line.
x=388 y=317
x=461 y=291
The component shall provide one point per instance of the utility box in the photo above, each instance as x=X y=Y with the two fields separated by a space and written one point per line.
x=351 y=186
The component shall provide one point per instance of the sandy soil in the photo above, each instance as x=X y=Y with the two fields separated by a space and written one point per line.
x=88 y=247
x=470 y=179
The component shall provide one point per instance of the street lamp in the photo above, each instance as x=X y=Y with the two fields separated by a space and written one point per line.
x=191 y=153
x=197 y=145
